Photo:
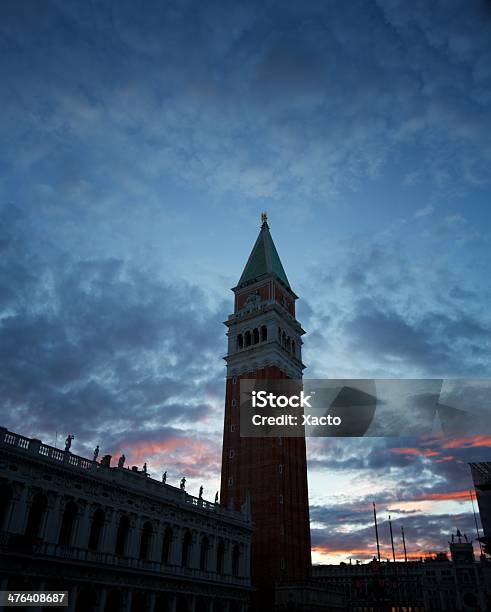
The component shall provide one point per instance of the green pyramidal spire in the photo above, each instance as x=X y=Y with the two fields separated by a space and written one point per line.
x=264 y=258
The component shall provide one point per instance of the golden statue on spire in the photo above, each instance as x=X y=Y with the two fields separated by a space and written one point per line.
x=264 y=217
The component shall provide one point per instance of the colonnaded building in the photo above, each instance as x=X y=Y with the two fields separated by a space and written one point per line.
x=459 y=583
x=114 y=538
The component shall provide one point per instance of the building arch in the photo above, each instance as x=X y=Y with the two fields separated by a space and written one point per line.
x=114 y=601
x=146 y=540
x=203 y=553
x=122 y=535
x=201 y=606
x=182 y=604
x=5 y=500
x=86 y=599
x=220 y=556
x=96 y=527
x=162 y=603
x=68 y=520
x=166 y=544
x=240 y=342
x=235 y=560
x=264 y=333
x=255 y=335
x=37 y=512
x=248 y=338
x=187 y=543
x=139 y=602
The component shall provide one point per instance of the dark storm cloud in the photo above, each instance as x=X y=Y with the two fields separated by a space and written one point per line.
x=266 y=99
x=429 y=341
x=98 y=346
x=388 y=334
x=393 y=320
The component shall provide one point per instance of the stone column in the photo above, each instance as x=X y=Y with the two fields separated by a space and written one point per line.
x=176 y=546
x=110 y=531
x=81 y=539
x=41 y=586
x=195 y=550
x=244 y=561
x=134 y=537
x=172 y=603
x=53 y=521
x=19 y=509
x=72 y=598
x=44 y=525
x=227 y=558
x=101 y=604
x=248 y=560
x=155 y=552
x=151 y=541
x=128 y=598
x=151 y=602
x=212 y=555
x=5 y=526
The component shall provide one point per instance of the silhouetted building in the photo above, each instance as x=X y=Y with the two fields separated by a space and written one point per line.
x=115 y=538
x=481 y=475
x=435 y=583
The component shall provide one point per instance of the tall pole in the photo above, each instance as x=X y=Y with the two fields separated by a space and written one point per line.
x=392 y=540
x=404 y=543
x=475 y=520
x=376 y=530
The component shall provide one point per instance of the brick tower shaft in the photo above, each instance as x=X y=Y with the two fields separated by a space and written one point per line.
x=264 y=342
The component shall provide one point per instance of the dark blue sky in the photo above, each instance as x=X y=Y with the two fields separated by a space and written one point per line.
x=140 y=143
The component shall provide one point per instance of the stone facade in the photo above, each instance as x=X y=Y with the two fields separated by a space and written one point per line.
x=115 y=538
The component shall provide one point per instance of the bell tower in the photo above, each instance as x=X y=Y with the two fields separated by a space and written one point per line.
x=265 y=342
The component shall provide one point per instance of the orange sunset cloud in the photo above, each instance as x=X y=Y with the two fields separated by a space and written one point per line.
x=427 y=452
x=189 y=454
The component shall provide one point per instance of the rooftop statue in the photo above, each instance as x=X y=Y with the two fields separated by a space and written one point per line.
x=106 y=461
x=68 y=441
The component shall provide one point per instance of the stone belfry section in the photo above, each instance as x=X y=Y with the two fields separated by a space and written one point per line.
x=265 y=342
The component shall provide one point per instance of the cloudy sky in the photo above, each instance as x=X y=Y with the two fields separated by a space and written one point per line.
x=140 y=144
